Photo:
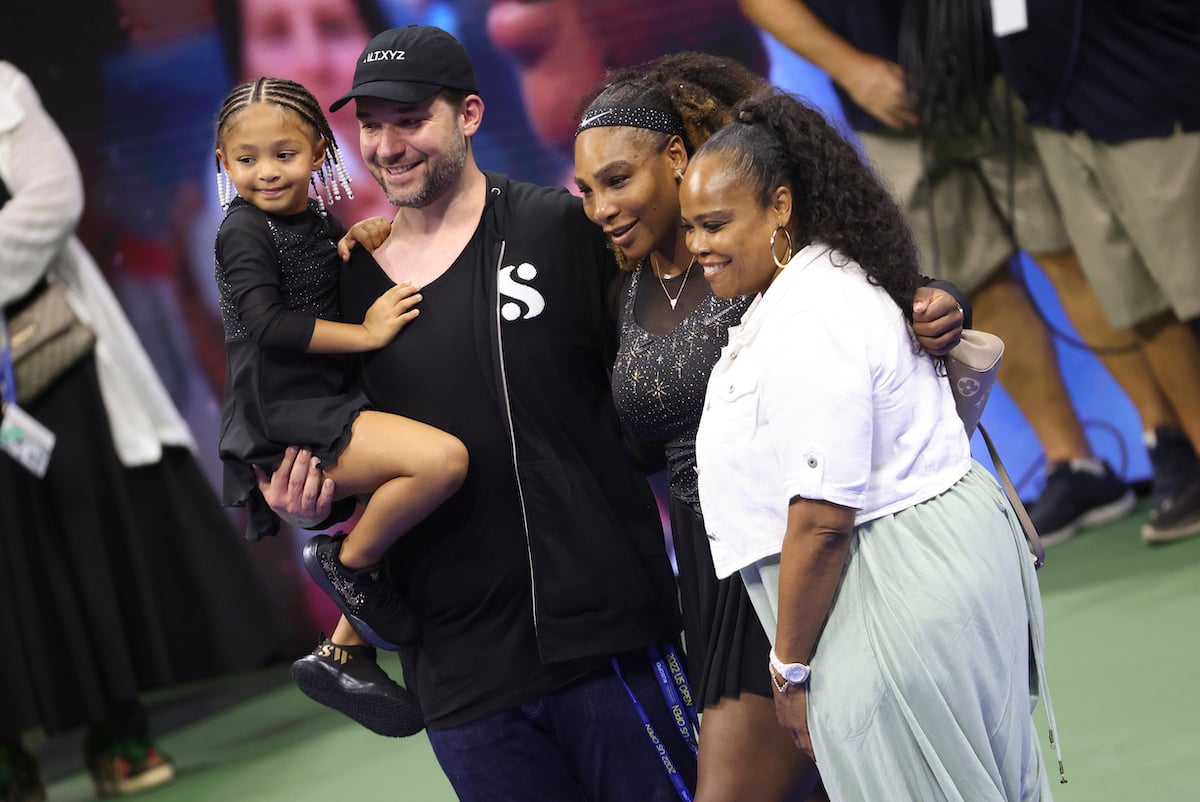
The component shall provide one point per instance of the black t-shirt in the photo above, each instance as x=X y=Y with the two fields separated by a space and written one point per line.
x=465 y=569
x=1116 y=69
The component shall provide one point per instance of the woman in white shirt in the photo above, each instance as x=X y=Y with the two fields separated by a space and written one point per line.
x=836 y=477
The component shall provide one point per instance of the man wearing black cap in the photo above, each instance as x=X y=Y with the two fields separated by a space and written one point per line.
x=541 y=583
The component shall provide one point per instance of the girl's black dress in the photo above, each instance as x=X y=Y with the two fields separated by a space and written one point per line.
x=276 y=275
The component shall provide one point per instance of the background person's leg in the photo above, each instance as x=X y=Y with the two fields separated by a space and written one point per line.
x=1131 y=211
x=1173 y=350
x=1080 y=490
x=20 y=776
x=1120 y=350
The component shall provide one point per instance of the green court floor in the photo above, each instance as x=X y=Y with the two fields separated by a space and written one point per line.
x=1123 y=651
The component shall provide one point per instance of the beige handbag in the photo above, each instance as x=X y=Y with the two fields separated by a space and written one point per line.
x=47 y=339
x=971 y=367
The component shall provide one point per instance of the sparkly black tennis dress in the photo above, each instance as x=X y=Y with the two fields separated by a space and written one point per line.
x=276 y=275
x=659 y=382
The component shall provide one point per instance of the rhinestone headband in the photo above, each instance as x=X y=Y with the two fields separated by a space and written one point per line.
x=651 y=119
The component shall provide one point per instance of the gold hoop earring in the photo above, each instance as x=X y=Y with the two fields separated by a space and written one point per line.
x=788 y=256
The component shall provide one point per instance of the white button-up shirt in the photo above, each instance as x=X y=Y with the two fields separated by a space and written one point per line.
x=821 y=393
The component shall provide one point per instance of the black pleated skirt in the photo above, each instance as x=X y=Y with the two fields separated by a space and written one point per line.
x=725 y=647
x=116 y=580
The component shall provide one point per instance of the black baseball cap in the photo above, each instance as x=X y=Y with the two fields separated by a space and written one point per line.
x=409 y=65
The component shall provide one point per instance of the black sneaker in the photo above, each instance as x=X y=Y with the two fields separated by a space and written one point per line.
x=1175 y=518
x=20 y=779
x=1174 y=463
x=1078 y=495
x=365 y=595
x=350 y=681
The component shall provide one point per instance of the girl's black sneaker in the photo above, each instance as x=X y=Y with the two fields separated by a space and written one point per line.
x=349 y=680
x=366 y=596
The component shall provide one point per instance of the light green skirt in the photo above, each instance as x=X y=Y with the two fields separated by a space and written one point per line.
x=923 y=681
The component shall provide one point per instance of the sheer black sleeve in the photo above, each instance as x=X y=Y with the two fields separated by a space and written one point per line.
x=247 y=260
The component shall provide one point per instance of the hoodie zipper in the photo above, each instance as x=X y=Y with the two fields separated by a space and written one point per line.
x=512 y=439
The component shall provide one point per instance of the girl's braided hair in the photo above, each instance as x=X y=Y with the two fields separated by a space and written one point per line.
x=294 y=97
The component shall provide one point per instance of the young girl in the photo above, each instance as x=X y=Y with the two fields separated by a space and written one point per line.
x=288 y=379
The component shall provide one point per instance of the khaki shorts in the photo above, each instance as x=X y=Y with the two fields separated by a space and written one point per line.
x=965 y=239
x=1133 y=212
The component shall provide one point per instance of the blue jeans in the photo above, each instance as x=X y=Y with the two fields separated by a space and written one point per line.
x=581 y=743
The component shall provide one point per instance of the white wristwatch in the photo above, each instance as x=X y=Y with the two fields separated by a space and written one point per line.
x=791 y=673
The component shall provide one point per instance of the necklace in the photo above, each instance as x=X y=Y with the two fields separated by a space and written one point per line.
x=663 y=284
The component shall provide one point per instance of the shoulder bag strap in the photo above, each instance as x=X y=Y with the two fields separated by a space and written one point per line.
x=1031 y=533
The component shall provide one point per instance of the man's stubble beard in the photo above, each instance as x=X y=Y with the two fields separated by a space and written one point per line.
x=443 y=173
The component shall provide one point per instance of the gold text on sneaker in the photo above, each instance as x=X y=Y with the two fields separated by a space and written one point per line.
x=335 y=653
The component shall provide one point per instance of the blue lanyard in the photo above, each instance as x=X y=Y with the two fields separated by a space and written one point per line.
x=678 y=695
x=8 y=379
x=675 y=689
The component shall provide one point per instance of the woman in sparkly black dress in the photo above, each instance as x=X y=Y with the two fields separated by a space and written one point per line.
x=637 y=130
